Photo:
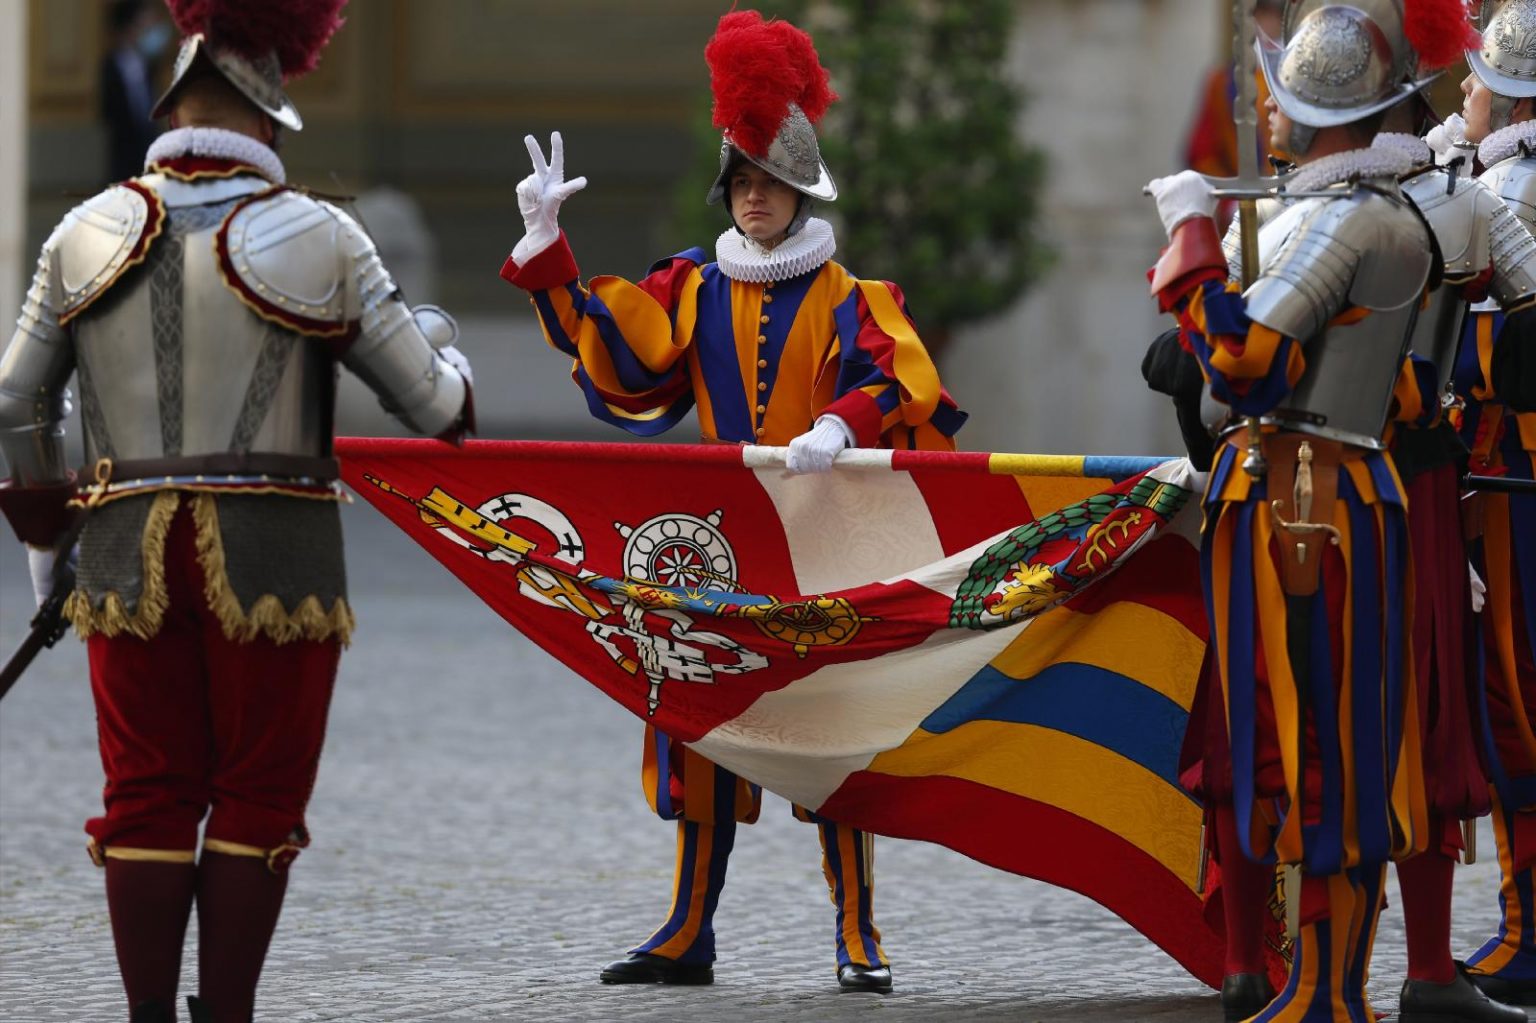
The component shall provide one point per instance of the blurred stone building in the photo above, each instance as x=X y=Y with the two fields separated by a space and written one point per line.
x=420 y=108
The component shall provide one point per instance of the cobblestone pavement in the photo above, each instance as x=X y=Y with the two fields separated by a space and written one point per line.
x=482 y=848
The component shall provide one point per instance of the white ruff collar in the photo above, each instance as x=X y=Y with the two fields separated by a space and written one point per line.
x=1353 y=163
x=1402 y=142
x=219 y=144
x=742 y=259
x=1506 y=142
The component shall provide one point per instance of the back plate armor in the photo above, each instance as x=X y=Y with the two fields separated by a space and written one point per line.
x=207 y=317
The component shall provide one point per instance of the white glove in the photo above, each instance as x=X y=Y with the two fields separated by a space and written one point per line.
x=1449 y=141
x=1182 y=196
x=814 y=450
x=1479 y=591
x=539 y=196
x=455 y=358
x=40 y=567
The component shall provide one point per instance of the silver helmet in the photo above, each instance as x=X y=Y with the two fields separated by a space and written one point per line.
x=1338 y=64
x=794 y=157
x=259 y=80
x=1506 y=64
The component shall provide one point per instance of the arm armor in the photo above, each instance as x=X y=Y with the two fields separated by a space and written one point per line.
x=33 y=371
x=1365 y=251
x=1513 y=256
x=391 y=354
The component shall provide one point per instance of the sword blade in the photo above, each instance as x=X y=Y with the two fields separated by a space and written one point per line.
x=1245 y=117
x=1245 y=113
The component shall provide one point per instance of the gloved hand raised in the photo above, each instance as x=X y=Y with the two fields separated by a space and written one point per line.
x=814 y=450
x=539 y=196
x=1449 y=142
x=1182 y=196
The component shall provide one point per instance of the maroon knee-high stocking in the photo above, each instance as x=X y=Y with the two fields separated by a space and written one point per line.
x=1425 y=883
x=238 y=901
x=149 y=902
x=1245 y=887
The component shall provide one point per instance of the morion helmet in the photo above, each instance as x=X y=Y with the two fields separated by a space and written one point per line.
x=1505 y=58
x=255 y=46
x=770 y=90
x=1339 y=63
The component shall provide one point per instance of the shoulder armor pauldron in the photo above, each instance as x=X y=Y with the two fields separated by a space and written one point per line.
x=100 y=239
x=286 y=255
x=1458 y=210
x=1515 y=182
x=1367 y=249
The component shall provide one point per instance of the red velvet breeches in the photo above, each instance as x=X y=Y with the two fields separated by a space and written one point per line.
x=192 y=724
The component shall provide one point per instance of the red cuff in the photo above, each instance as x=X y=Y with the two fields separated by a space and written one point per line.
x=39 y=514
x=1193 y=256
x=862 y=415
x=552 y=268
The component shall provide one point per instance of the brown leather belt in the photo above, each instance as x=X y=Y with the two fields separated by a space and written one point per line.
x=228 y=463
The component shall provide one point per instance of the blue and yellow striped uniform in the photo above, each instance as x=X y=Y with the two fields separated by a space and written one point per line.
x=1502 y=441
x=760 y=362
x=1325 y=750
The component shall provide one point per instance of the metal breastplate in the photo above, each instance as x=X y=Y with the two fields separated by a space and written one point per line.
x=1456 y=211
x=1362 y=251
x=173 y=363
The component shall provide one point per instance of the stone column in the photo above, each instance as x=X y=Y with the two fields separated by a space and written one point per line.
x=13 y=159
x=1112 y=87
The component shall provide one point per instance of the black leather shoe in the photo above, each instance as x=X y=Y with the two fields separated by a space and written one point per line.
x=1510 y=992
x=199 y=1011
x=152 y=1012
x=853 y=977
x=1243 y=995
x=644 y=968
x=1460 y=1001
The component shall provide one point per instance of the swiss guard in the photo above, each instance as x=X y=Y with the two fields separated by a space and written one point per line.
x=1496 y=385
x=773 y=343
x=1307 y=567
x=205 y=306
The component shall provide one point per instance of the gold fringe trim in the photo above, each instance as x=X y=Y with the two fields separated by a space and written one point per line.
x=267 y=616
x=112 y=618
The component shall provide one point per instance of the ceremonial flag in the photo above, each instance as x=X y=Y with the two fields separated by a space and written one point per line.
x=993 y=652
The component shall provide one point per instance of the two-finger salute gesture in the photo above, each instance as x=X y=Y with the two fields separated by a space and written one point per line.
x=539 y=196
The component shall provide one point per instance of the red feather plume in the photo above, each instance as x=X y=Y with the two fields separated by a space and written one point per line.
x=757 y=69
x=1440 y=31
x=296 y=29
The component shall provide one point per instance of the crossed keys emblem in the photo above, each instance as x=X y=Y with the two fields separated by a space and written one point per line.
x=674 y=564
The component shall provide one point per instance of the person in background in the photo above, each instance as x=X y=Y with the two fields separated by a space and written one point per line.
x=136 y=36
x=1496 y=383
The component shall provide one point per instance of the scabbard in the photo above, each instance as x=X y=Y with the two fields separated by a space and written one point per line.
x=1498 y=485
